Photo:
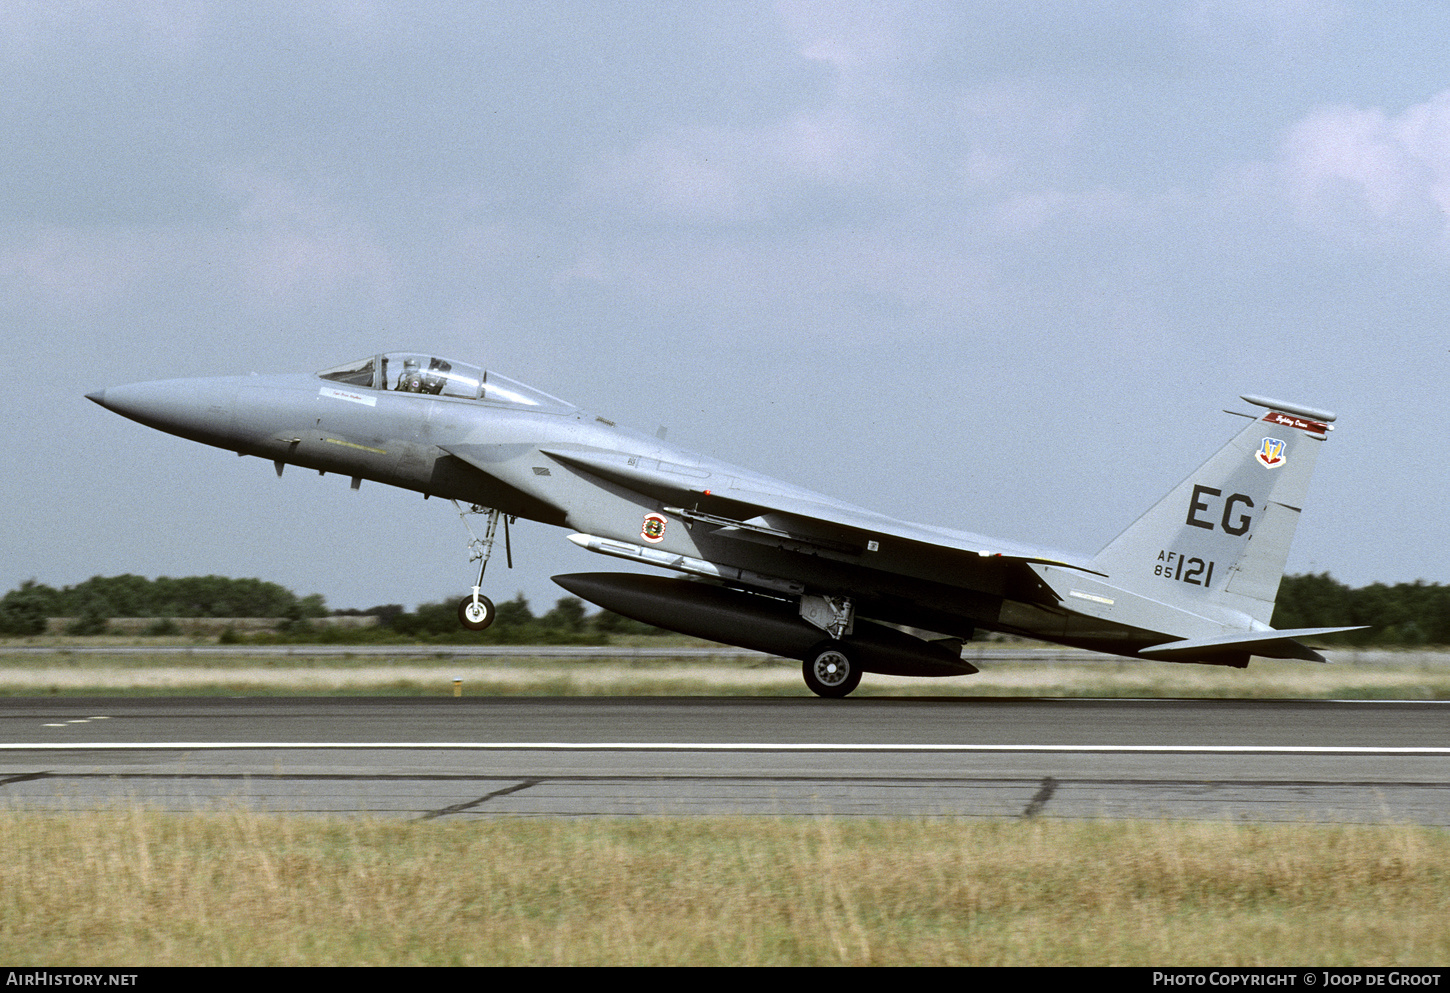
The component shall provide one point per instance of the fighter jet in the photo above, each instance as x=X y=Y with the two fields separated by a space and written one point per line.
x=766 y=565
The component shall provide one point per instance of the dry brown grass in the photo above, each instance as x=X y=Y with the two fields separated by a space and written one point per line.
x=1381 y=675
x=132 y=887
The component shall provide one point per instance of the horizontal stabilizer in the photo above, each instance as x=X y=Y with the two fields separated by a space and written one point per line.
x=1269 y=644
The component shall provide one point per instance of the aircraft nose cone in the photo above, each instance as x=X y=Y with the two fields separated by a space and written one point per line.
x=191 y=408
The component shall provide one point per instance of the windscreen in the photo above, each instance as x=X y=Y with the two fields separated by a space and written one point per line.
x=358 y=373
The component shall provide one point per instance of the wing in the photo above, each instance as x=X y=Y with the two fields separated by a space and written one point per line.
x=751 y=509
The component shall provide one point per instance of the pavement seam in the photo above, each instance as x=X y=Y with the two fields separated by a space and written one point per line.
x=1040 y=798
x=460 y=807
x=24 y=778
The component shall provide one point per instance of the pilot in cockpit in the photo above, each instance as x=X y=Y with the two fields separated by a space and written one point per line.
x=412 y=379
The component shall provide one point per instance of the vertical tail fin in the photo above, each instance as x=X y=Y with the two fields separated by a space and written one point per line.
x=1222 y=536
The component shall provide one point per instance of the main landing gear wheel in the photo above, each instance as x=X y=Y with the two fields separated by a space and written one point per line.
x=476 y=614
x=831 y=670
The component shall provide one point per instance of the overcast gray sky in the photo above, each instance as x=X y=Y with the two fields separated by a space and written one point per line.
x=992 y=265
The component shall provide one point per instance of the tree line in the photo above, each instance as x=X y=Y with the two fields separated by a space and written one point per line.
x=91 y=604
x=24 y=610
x=514 y=623
x=1406 y=614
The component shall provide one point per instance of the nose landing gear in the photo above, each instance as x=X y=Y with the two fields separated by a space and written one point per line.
x=476 y=611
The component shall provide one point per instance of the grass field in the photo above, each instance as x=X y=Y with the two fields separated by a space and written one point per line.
x=1419 y=675
x=140 y=888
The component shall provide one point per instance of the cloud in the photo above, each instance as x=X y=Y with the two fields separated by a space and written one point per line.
x=1277 y=24
x=701 y=175
x=283 y=243
x=863 y=131
x=54 y=270
x=293 y=241
x=1366 y=174
x=40 y=33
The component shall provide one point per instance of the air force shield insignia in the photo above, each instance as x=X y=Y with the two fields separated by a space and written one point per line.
x=1271 y=453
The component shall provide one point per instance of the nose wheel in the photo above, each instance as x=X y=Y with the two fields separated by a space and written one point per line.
x=476 y=611
x=831 y=670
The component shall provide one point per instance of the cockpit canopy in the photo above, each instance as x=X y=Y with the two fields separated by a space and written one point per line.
x=415 y=372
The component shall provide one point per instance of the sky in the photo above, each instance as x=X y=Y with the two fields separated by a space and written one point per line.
x=998 y=265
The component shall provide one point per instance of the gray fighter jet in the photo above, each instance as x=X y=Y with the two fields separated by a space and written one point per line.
x=767 y=565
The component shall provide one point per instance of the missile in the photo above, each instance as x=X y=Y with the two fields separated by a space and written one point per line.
x=762 y=623
x=684 y=563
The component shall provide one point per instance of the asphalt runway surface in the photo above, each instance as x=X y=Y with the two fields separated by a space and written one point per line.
x=1255 y=760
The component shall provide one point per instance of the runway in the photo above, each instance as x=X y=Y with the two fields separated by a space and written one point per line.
x=430 y=758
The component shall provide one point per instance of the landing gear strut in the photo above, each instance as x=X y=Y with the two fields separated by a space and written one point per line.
x=831 y=669
x=476 y=611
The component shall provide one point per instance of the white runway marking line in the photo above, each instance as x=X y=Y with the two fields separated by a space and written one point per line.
x=673 y=746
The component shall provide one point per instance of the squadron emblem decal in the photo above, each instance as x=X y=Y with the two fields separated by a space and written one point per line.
x=1271 y=453
x=653 y=529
